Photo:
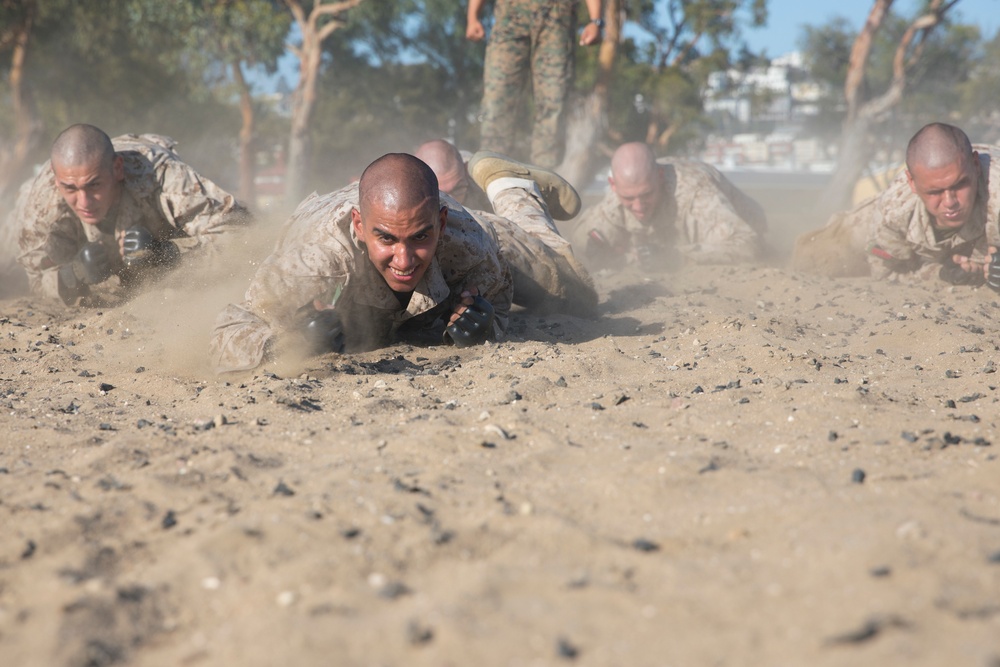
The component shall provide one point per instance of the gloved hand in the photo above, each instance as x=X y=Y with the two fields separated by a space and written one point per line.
x=953 y=273
x=474 y=325
x=993 y=273
x=140 y=249
x=323 y=331
x=91 y=266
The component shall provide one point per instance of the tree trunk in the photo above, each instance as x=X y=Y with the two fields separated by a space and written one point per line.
x=589 y=118
x=855 y=144
x=248 y=162
x=26 y=130
x=310 y=55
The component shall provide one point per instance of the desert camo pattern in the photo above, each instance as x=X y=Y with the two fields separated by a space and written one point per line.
x=702 y=218
x=160 y=192
x=531 y=39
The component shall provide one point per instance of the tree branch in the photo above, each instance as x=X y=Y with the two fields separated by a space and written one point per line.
x=860 y=52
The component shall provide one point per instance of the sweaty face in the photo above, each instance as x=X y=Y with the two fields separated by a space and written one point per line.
x=91 y=189
x=400 y=243
x=949 y=192
x=641 y=199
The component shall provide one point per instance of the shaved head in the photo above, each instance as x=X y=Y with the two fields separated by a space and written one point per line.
x=398 y=181
x=634 y=164
x=449 y=167
x=81 y=145
x=441 y=156
x=938 y=145
x=637 y=180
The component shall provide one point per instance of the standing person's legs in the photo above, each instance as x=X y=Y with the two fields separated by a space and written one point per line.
x=551 y=76
x=504 y=78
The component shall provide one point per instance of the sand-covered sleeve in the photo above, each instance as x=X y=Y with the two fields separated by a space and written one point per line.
x=311 y=261
x=599 y=236
x=715 y=232
x=50 y=235
x=197 y=207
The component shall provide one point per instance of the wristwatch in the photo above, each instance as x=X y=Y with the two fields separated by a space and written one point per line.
x=598 y=22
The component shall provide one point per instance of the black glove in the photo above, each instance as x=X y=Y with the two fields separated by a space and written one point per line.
x=993 y=274
x=140 y=249
x=953 y=273
x=91 y=265
x=323 y=331
x=473 y=326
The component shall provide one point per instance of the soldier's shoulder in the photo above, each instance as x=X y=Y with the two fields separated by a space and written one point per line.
x=38 y=196
x=321 y=219
x=468 y=238
x=148 y=144
x=897 y=202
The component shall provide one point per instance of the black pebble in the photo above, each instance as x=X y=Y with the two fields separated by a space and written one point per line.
x=140 y=369
x=909 y=437
x=29 y=550
x=418 y=634
x=566 y=650
x=880 y=571
x=949 y=404
x=698 y=390
x=393 y=590
x=642 y=544
x=169 y=520
x=106 y=427
x=858 y=476
x=832 y=436
x=143 y=423
x=350 y=533
x=993 y=557
x=283 y=490
x=104 y=386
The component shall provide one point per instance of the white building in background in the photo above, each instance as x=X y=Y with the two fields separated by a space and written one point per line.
x=761 y=111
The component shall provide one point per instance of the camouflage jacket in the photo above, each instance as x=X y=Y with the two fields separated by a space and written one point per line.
x=702 y=216
x=160 y=193
x=901 y=232
x=318 y=258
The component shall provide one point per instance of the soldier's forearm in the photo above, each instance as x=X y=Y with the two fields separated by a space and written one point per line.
x=476 y=9
x=594 y=10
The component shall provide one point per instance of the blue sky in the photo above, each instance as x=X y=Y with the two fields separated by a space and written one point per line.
x=786 y=18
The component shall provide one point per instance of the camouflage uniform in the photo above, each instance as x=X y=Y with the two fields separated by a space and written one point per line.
x=159 y=192
x=535 y=35
x=901 y=233
x=701 y=215
x=319 y=257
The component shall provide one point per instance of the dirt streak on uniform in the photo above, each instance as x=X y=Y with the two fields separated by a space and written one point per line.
x=536 y=37
x=701 y=215
x=902 y=237
x=160 y=193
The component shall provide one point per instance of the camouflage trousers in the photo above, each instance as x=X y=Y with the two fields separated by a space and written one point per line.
x=547 y=276
x=536 y=39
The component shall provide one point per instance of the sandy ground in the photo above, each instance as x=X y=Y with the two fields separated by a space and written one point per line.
x=739 y=466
